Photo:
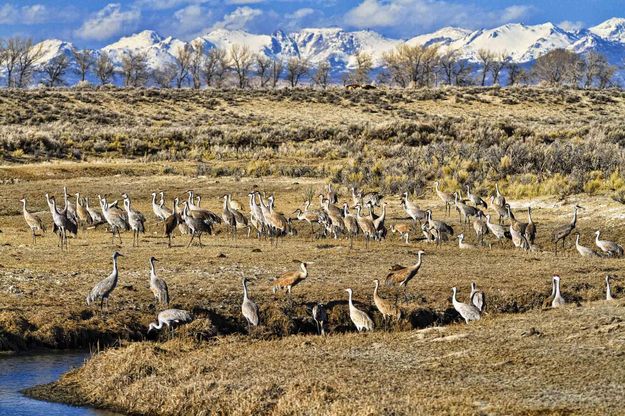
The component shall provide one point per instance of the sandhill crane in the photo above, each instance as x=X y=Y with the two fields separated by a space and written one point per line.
x=387 y=308
x=403 y=230
x=198 y=223
x=499 y=231
x=136 y=221
x=310 y=217
x=228 y=218
x=499 y=199
x=378 y=223
x=516 y=224
x=480 y=227
x=278 y=223
x=360 y=319
x=558 y=300
x=172 y=222
x=502 y=211
x=288 y=280
x=331 y=195
x=159 y=210
x=447 y=198
x=102 y=290
x=547 y=302
x=477 y=297
x=239 y=218
x=402 y=275
x=469 y=312
x=464 y=246
x=84 y=218
x=413 y=211
x=69 y=207
x=337 y=225
x=356 y=199
x=562 y=232
x=464 y=209
x=96 y=217
x=351 y=224
x=170 y=317
x=366 y=226
x=158 y=286
x=475 y=198
x=530 y=229
x=440 y=227
x=248 y=308
x=33 y=221
x=608 y=289
x=256 y=214
x=61 y=221
x=320 y=317
x=584 y=251
x=372 y=198
x=115 y=218
x=518 y=238
x=608 y=247
x=233 y=204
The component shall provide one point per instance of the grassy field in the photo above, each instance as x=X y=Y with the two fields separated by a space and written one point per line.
x=430 y=361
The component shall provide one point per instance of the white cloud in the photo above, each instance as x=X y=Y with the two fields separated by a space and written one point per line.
x=108 y=22
x=241 y=18
x=166 y=4
x=411 y=16
x=191 y=18
x=570 y=26
x=300 y=13
x=26 y=15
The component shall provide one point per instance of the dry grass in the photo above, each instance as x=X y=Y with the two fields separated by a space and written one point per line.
x=542 y=362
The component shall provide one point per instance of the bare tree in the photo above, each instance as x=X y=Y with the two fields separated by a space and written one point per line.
x=412 y=65
x=241 y=59
x=497 y=64
x=55 y=70
x=183 y=56
x=486 y=58
x=598 y=72
x=135 y=69
x=84 y=61
x=195 y=69
x=104 y=68
x=296 y=68
x=215 y=67
x=447 y=62
x=557 y=67
x=322 y=74
x=515 y=73
x=20 y=58
x=462 y=73
x=364 y=64
x=263 y=69
x=166 y=75
x=276 y=71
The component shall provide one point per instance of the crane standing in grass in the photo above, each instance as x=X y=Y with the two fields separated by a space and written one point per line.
x=33 y=221
x=249 y=308
x=562 y=232
x=158 y=286
x=136 y=221
x=170 y=317
x=320 y=317
x=388 y=309
x=103 y=289
x=288 y=280
x=469 y=312
x=360 y=319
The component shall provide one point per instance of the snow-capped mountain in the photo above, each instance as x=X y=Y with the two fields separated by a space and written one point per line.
x=521 y=43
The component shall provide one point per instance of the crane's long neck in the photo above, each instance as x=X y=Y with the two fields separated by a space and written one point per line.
x=557 y=287
x=529 y=214
x=153 y=199
x=608 y=290
x=244 y=291
x=115 y=271
x=453 y=297
x=304 y=270
x=597 y=237
x=375 y=290
x=351 y=304
x=577 y=240
x=158 y=325
x=574 y=221
x=345 y=211
x=418 y=263
x=152 y=270
x=383 y=211
x=24 y=205
x=225 y=203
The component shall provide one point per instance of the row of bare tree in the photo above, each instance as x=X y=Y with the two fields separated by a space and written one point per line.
x=406 y=66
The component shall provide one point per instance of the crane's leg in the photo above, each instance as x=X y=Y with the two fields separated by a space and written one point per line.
x=190 y=241
x=34 y=238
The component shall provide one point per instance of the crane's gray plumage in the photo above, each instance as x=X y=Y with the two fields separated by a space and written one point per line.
x=558 y=300
x=158 y=286
x=360 y=319
x=609 y=247
x=169 y=317
x=115 y=217
x=33 y=221
x=136 y=221
x=320 y=317
x=248 y=307
x=468 y=311
x=563 y=231
x=478 y=299
x=583 y=250
x=102 y=290
x=608 y=289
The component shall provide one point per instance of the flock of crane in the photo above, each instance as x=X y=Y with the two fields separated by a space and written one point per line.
x=331 y=221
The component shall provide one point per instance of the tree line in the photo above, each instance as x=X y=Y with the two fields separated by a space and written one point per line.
x=406 y=66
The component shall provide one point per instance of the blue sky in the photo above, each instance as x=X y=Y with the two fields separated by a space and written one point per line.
x=95 y=23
